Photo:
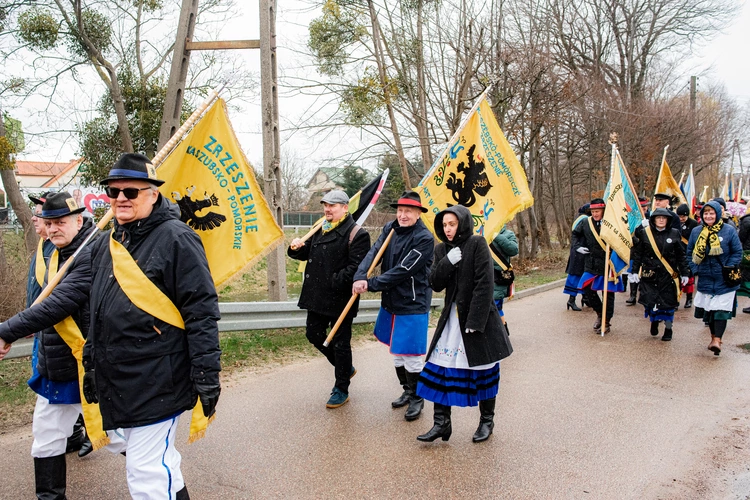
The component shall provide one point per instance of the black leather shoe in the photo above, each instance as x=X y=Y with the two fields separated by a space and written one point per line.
x=402 y=400
x=746 y=310
x=86 y=447
x=572 y=304
x=630 y=301
x=689 y=304
x=442 y=427
x=415 y=402
x=486 y=421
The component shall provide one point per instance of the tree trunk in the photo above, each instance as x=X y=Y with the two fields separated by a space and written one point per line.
x=20 y=208
x=422 y=124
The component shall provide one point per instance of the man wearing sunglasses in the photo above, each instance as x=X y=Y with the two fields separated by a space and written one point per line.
x=153 y=347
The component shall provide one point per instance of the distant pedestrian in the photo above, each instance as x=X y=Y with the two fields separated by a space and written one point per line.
x=463 y=367
x=575 y=265
x=504 y=246
x=712 y=247
x=406 y=295
x=332 y=256
x=660 y=266
x=744 y=234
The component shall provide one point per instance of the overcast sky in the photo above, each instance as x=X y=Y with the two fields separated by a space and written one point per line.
x=725 y=59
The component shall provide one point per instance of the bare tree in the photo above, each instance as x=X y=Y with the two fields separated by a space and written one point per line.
x=294 y=177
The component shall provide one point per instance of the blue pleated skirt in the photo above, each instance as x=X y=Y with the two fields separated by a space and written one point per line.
x=596 y=283
x=571 y=285
x=458 y=386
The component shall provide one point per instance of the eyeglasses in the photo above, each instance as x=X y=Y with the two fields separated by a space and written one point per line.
x=130 y=193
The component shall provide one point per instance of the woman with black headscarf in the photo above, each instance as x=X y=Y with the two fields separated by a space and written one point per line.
x=463 y=365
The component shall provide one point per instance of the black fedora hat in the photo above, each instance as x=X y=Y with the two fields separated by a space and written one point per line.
x=663 y=196
x=59 y=205
x=39 y=200
x=410 y=199
x=133 y=166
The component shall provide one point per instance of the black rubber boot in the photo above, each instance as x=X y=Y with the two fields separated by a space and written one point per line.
x=415 y=402
x=486 y=420
x=183 y=494
x=633 y=294
x=402 y=400
x=572 y=304
x=442 y=425
x=50 y=477
x=654 y=328
x=75 y=441
x=667 y=335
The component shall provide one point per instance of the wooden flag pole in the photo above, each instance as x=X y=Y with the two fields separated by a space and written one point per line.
x=606 y=282
x=108 y=216
x=349 y=305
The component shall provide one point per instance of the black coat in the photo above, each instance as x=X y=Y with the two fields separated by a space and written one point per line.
x=331 y=263
x=469 y=284
x=145 y=368
x=657 y=286
x=744 y=231
x=576 y=261
x=404 y=267
x=55 y=360
x=583 y=237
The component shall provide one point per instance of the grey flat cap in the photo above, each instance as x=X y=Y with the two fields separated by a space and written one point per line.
x=335 y=196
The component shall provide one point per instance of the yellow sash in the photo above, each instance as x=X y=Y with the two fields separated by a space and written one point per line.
x=147 y=297
x=599 y=240
x=39 y=267
x=71 y=334
x=675 y=276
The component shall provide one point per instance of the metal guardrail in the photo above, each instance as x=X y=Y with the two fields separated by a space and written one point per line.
x=241 y=316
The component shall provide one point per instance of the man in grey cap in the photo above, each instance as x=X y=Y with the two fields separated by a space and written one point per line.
x=332 y=254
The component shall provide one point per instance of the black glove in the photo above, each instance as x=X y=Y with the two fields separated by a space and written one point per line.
x=209 y=396
x=89 y=387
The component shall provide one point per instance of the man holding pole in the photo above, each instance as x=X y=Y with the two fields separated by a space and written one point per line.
x=332 y=254
x=405 y=308
x=55 y=376
x=153 y=347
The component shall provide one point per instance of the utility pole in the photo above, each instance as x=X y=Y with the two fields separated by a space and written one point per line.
x=269 y=109
x=693 y=90
x=271 y=147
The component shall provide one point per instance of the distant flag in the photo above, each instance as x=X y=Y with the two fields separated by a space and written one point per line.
x=730 y=189
x=666 y=183
x=622 y=215
x=689 y=190
x=725 y=189
x=480 y=171
x=210 y=179
x=363 y=201
x=738 y=192
x=704 y=193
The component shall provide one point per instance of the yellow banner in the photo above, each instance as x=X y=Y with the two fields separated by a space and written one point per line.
x=479 y=171
x=210 y=179
x=615 y=228
x=667 y=184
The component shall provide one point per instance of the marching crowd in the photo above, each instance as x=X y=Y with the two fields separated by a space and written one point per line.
x=706 y=258
x=129 y=337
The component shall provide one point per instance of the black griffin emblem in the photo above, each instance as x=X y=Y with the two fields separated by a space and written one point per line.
x=190 y=207
x=475 y=180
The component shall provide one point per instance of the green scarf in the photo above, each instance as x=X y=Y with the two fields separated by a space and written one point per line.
x=708 y=238
x=330 y=226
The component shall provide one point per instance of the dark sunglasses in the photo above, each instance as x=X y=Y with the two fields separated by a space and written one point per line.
x=130 y=193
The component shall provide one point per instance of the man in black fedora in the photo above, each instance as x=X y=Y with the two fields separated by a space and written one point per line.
x=406 y=295
x=149 y=357
x=55 y=376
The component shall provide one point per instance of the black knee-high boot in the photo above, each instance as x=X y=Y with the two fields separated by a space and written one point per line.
x=415 y=402
x=50 y=477
x=402 y=400
x=442 y=425
x=486 y=420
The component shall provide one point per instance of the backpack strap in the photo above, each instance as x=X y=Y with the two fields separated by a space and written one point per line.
x=355 y=229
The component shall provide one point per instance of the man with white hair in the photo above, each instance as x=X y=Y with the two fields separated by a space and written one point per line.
x=58 y=401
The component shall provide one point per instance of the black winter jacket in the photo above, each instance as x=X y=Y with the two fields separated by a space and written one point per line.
x=331 y=263
x=55 y=360
x=145 y=368
x=657 y=287
x=469 y=284
x=744 y=231
x=404 y=269
x=583 y=237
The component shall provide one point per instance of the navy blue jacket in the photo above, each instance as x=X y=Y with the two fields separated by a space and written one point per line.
x=710 y=278
x=405 y=269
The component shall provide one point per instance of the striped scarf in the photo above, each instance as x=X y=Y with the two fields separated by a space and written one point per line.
x=708 y=238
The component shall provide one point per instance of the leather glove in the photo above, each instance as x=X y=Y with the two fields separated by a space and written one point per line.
x=209 y=396
x=634 y=278
x=89 y=387
x=684 y=280
x=454 y=256
x=644 y=223
x=582 y=250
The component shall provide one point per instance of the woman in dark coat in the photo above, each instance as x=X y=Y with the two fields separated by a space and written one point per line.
x=659 y=291
x=576 y=262
x=463 y=367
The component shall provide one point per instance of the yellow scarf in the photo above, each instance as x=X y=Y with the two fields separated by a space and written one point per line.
x=708 y=238
x=147 y=297
x=71 y=334
x=330 y=226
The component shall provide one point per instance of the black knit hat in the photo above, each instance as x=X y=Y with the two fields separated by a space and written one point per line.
x=683 y=209
x=133 y=166
x=41 y=198
x=59 y=205
x=721 y=202
x=597 y=203
x=410 y=199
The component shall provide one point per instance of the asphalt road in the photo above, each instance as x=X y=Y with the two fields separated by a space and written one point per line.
x=625 y=416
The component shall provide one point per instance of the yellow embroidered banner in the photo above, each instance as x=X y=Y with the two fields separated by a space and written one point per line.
x=210 y=179
x=480 y=171
x=667 y=184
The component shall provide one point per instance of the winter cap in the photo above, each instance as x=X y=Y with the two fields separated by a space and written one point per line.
x=683 y=209
x=335 y=196
x=721 y=202
x=410 y=199
x=133 y=166
x=59 y=205
x=663 y=212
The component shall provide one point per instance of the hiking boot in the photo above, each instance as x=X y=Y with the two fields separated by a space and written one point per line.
x=338 y=398
x=654 y=328
x=598 y=324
